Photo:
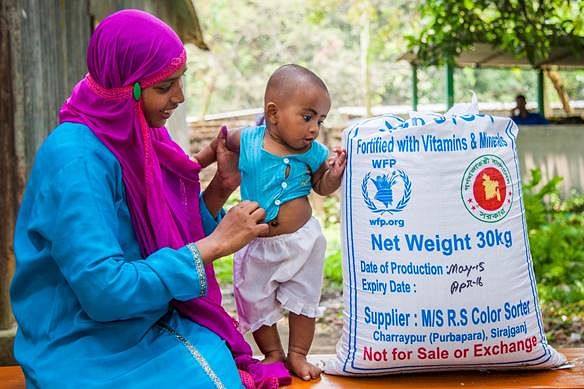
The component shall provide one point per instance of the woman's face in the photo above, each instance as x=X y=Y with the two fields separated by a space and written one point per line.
x=161 y=99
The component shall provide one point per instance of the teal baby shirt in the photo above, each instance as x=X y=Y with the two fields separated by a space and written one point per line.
x=263 y=175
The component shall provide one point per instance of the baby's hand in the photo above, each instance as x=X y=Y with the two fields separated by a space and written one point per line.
x=328 y=177
x=337 y=162
x=209 y=153
x=221 y=135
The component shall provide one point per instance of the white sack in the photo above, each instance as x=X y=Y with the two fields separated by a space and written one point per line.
x=436 y=263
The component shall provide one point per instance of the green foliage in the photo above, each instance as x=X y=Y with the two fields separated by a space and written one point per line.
x=333 y=271
x=556 y=238
x=521 y=27
x=224 y=270
x=562 y=319
x=386 y=22
x=248 y=45
x=332 y=215
x=325 y=35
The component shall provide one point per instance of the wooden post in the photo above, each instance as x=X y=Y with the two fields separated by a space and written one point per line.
x=449 y=84
x=540 y=92
x=8 y=184
x=556 y=79
x=414 y=87
x=366 y=63
x=8 y=174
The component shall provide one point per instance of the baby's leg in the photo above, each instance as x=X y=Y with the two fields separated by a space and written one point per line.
x=268 y=340
x=301 y=335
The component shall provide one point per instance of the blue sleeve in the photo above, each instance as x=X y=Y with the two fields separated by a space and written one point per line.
x=317 y=155
x=246 y=147
x=209 y=222
x=82 y=226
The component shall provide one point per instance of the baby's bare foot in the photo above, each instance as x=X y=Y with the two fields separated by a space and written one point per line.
x=274 y=356
x=298 y=365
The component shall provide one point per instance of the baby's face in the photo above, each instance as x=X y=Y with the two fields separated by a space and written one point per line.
x=301 y=117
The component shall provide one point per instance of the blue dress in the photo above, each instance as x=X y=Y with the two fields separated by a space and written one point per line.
x=91 y=312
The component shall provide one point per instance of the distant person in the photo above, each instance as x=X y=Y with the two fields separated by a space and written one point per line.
x=280 y=162
x=521 y=115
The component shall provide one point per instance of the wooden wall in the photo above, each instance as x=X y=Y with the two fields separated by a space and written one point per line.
x=43 y=46
x=8 y=184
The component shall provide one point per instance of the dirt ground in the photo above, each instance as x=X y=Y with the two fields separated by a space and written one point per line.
x=562 y=331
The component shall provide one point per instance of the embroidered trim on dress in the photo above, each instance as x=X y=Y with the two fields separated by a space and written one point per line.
x=200 y=267
x=195 y=353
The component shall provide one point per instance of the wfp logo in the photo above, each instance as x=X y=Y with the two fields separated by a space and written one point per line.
x=387 y=189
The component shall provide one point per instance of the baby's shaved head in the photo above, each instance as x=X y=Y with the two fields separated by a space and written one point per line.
x=287 y=80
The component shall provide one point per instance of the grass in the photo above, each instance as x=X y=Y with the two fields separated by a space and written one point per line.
x=224 y=270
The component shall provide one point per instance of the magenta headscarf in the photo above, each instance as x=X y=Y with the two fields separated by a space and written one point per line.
x=161 y=181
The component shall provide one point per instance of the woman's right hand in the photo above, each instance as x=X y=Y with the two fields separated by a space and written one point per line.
x=240 y=225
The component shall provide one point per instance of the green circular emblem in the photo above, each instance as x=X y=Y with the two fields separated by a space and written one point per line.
x=487 y=189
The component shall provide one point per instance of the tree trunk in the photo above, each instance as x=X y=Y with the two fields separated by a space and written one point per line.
x=365 y=63
x=8 y=170
x=208 y=95
x=212 y=76
x=558 y=83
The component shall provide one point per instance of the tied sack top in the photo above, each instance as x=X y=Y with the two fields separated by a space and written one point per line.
x=263 y=175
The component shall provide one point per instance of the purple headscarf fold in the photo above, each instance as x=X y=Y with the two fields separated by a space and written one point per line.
x=161 y=181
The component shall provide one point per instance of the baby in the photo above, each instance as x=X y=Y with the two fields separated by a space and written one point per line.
x=280 y=163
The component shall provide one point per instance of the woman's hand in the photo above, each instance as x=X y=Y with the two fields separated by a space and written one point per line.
x=227 y=163
x=226 y=178
x=240 y=225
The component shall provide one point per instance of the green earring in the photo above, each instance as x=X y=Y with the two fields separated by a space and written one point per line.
x=137 y=91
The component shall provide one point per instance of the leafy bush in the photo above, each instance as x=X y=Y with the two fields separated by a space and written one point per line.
x=333 y=272
x=224 y=270
x=556 y=238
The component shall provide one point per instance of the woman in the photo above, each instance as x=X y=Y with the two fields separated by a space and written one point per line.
x=112 y=232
